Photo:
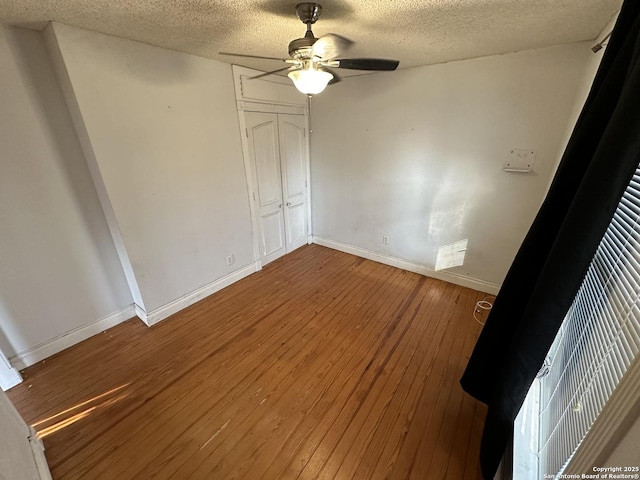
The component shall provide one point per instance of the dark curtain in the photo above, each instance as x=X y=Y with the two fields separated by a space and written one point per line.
x=601 y=156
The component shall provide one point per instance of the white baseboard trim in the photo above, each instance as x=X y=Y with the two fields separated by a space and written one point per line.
x=140 y=313
x=51 y=347
x=9 y=375
x=155 y=316
x=450 y=277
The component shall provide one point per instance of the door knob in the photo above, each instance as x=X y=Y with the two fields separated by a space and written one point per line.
x=288 y=204
x=280 y=206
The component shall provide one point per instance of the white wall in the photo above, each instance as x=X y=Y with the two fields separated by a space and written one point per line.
x=582 y=91
x=58 y=267
x=417 y=155
x=163 y=130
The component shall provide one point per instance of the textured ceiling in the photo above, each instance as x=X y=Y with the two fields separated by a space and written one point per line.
x=416 y=32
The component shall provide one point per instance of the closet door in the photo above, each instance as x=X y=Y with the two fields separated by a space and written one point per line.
x=279 y=158
x=293 y=156
x=264 y=149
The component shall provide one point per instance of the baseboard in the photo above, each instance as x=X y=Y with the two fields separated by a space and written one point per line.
x=51 y=347
x=9 y=375
x=159 y=314
x=450 y=277
x=140 y=312
x=44 y=350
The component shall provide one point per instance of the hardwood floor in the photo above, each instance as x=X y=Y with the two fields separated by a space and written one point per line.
x=321 y=366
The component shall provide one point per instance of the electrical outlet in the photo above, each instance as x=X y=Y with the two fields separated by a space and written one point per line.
x=230 y=260
x=385 y=239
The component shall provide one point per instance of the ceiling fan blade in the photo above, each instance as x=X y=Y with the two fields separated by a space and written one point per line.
x=269 y=73
x=329 y=46
x=379 y=64
x=252 y=56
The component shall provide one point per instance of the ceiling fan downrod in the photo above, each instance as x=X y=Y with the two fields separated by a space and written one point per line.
x=308 y=13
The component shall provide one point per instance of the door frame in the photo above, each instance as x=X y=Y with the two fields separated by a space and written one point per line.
x=270 y=104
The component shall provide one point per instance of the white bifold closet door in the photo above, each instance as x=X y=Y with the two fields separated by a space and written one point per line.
x=279 y=153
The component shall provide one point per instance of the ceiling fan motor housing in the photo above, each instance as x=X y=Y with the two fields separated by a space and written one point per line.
x=301 y=47
x=308 y=12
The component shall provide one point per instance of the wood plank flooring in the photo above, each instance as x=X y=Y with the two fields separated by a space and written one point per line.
x=321 y=366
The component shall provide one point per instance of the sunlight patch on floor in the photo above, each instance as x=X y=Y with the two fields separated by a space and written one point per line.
x=62 y=421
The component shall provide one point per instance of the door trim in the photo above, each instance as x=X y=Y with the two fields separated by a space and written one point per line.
x=250 y=177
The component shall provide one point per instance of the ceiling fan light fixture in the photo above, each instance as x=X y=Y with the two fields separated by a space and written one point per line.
x=310 y=81
x=312 y=59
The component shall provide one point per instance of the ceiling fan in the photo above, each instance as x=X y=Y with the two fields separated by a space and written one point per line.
x=313 y=59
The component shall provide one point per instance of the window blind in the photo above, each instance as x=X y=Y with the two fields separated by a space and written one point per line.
x=598 y=340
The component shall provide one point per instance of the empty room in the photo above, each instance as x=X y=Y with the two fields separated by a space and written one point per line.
x=337 y=240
